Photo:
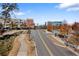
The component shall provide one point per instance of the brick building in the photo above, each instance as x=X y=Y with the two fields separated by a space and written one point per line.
x=30 y=23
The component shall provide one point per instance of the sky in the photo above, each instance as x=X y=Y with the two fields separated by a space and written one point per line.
x=43 y=12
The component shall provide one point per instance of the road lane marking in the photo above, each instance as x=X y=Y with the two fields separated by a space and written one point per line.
x=49 y=51
x=60 y=50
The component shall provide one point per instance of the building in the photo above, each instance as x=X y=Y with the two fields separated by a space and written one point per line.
x=17 y=23
x=59 y=28
x=53 y=25
x=6 y=23
x=30 y=23
x=12 y=23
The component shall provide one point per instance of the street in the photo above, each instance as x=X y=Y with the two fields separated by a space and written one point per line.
x=46 y=47
x=41 y=49
x=39 y=29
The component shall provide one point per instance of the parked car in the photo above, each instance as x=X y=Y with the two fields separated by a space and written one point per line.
x=75 y=47
x=55 y=32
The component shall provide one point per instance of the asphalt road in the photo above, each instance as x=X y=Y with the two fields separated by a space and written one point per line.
x=45 y=47
x=41 y=49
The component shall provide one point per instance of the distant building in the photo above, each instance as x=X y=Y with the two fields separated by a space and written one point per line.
x=11 y=23
x=17 y=23
x=53 y=25
x=30 y=23
x=5 y=24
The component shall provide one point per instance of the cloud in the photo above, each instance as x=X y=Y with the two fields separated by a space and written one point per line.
x=19 y=13
x=69 y=6
x=73 y=9
x=65 y=5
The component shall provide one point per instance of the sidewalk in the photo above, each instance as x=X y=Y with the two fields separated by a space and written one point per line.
x=23 y=48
